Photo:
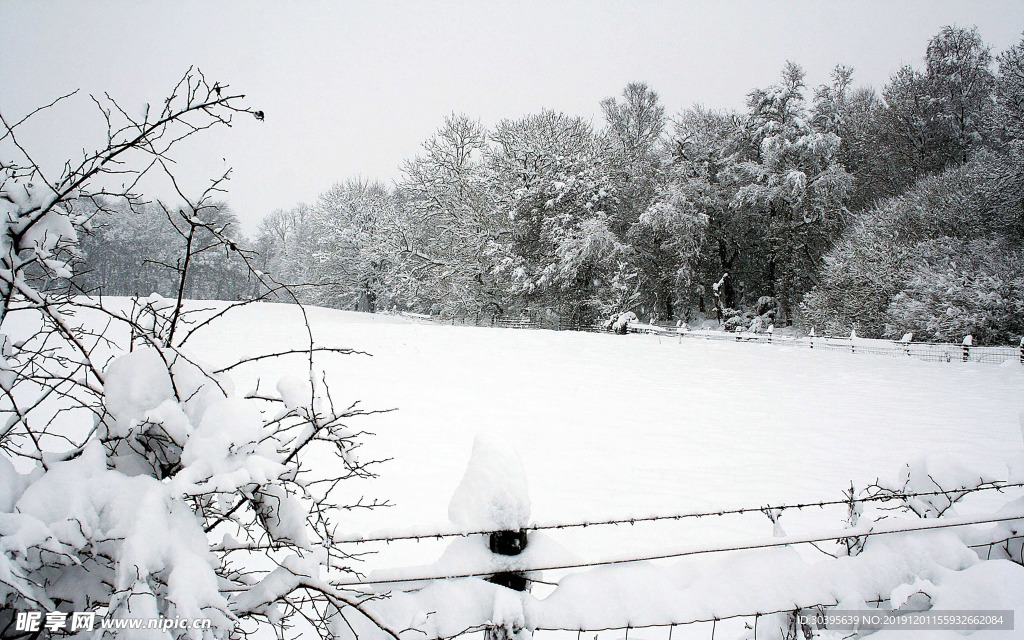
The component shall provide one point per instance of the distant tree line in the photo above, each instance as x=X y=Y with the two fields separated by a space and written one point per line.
x=894 y=210
x=137 y=251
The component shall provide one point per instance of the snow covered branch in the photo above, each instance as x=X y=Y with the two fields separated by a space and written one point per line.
x=137 y=482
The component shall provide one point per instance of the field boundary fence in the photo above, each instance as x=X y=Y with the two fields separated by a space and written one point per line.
x=965 y=351
x=520 y=576
x=927 y=351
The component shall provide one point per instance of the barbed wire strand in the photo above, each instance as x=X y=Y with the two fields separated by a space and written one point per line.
x=923 y=525
x=654 y=625
x=713 y=619
x=438 y=535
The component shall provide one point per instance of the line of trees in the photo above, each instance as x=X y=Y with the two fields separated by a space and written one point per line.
x=893 y=210
x=137 y=251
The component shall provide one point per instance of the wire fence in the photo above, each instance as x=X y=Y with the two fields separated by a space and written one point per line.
x=439 y=534
x=710 y=625
x=753 y=623
x=750 y=622
x=671 y=626
x=926 y=351
x=874 y=529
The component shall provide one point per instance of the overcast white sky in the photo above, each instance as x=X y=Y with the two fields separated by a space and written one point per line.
x=353 y=88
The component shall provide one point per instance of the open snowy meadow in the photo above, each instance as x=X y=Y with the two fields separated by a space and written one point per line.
x=613 y=426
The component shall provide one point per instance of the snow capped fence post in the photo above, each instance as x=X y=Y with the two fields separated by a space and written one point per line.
x=811 y=336
x=966 y=347
x=1022 y=350
x=493 y=497
x=508 y=543
x=906 y=340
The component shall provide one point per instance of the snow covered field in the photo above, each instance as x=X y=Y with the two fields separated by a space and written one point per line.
x=611 y=426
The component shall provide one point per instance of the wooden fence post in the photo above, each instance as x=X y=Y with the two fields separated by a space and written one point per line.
x=509 y=543
x=1022 y=351
x=966 y=347
x=506 y=543
x=493 y=497
x=906 y=340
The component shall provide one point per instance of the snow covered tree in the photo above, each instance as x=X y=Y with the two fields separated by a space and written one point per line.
x=859 y=277
x=697 y=233
x=897 y=244
x=650 y=214
x=854 y=115
x=631 y=143
x=351 y=231
x=124 y=251
x=283 y=248
x=215 y=271
x=793 y=186
x=960 y=81
x=909 y=123
x=448 y=224
x=137 y=483
x=562 y=253
x=665 y=241
x=1009 y=94
x=956 y=289
x=135 y=252
x=936 y=117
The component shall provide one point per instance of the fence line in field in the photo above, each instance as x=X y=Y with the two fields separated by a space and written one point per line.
x=669 y=625
x=712 y=621
x=924 y=524
x=518 y=576
x=951 y=494
x=863 y=531
x=794 y=609
x=927 y=351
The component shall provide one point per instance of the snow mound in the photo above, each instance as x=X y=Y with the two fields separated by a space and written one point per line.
x=136 y=383
x=229 y=427
x=493 y=495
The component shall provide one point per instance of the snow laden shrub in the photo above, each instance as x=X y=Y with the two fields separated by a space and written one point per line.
x=135 y=480
x=881 y=255
x=960 y=289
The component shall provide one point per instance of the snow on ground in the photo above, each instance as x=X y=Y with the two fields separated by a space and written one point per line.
x=609 y=425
